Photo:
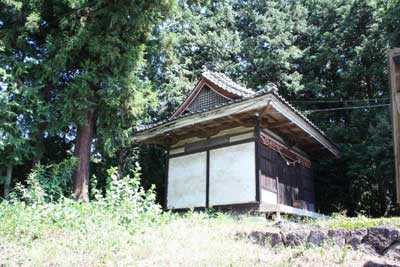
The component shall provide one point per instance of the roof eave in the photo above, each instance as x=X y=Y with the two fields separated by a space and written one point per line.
x=256 y=103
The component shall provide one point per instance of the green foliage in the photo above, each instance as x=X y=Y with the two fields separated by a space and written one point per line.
x=15 y=119
x=340 y=221
x=49 y=183
x=74 y=56
x=252 y=41
x=345 y=58
x=134 y=62
x=270 y=34
x=127 y=206
x=391 y=22
x=48 y=233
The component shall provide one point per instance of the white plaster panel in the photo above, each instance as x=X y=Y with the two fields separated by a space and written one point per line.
x=232 y=174
x=177 y=151
x=234 y=131
x=241 y=137
x=268 y=197
x=187 y=141
x=187 y=181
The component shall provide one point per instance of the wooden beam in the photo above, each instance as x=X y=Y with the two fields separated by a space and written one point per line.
x=277 y=125
x=207 y=178
x=394 y=69
x=241 y=122
x=171 y=139
x=199 y=131
x=245 y=108
x=264 y=111
x=257 y=161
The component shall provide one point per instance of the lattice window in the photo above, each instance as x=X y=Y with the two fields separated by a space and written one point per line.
x=206 y=99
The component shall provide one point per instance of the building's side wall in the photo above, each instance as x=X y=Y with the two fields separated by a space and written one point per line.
x=289 y=184
x=187 y=181
x=220 y=170
x=232 y=174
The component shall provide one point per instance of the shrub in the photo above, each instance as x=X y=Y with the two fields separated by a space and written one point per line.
x=126 y=207
x=47 y=183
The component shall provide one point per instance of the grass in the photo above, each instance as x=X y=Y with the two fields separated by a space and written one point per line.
x=126 y=228
x=338 y=221
x=190 y=239
x=361 y=222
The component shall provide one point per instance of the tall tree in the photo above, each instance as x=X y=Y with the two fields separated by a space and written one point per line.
x=269 y=34
x=345 y=59
x=15 y=121
x=251 y=41
x=87 y=53
x=199 y=35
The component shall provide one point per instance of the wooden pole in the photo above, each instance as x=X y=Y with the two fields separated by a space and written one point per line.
x=278 y=213
x=394 y=67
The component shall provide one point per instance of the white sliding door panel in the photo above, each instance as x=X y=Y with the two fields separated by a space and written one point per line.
x=187 y=181
x=232 y=175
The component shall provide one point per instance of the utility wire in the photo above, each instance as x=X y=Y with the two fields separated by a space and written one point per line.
x=343 y=108
x=339 y=101
x=305 y=112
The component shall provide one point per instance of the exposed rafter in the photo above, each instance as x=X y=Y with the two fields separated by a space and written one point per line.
x=267 y=108
x=277 y=125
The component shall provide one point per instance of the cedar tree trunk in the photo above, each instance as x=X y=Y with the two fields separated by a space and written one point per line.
x=40 y=146
x=7 y=182
x=83 y=145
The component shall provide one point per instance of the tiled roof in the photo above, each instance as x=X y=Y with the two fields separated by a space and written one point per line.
x=227 y=84
x=265 y=91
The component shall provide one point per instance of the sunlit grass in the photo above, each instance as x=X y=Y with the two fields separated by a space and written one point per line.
x=187 y=239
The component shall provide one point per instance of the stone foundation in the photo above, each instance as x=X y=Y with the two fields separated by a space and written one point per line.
x=382 y=240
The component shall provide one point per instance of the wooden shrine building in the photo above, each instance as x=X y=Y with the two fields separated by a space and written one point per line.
x=231 y=147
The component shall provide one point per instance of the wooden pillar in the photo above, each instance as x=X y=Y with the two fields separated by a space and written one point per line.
x=257 y=158
x=394 y=67
x=278 y=213
x=166 y=178
x=208 y=178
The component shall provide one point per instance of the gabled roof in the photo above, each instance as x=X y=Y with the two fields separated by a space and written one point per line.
x=243 y=102
x=218 y=82
x=227 y=84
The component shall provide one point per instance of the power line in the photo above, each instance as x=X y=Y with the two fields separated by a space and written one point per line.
x=344 y=108
x=304 y=112
x=340 y=101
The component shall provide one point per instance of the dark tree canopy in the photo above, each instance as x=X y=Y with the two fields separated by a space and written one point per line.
x=77 y=76
x=81 y=58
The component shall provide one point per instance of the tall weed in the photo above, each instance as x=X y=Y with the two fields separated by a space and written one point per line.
x=126 y=207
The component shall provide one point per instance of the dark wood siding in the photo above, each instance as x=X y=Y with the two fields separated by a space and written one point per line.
x=295 y=181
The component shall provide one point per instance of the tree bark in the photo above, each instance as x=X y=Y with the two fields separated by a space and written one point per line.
x=85 y=134
x=40 y=146
x=7 y=182
x=45 y=94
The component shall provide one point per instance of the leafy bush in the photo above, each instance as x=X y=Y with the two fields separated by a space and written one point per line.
x=125 y=207
x=47 y=183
